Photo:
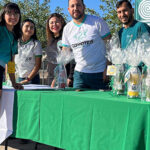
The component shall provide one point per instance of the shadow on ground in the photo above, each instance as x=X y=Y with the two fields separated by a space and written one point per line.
x=18 y=144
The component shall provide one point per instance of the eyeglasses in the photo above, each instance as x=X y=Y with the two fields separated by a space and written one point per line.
x=10 y=13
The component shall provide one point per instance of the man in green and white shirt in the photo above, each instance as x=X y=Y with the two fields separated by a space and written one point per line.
x=85 y=35
x=132 y=29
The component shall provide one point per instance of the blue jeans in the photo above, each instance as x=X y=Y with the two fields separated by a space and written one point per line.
x=35 y=80
x=88 y=80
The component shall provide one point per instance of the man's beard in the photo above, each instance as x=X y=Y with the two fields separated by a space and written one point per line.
x=79 y=17
x=129 y=20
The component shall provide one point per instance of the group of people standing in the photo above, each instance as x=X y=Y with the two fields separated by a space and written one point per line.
x=85 y=35
x=18 y=40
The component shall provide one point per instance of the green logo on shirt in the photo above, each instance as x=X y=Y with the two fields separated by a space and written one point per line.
x=80 y=36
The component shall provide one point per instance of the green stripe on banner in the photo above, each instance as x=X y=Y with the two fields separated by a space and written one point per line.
x=136 y=9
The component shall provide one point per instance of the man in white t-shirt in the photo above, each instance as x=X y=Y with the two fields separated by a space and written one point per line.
x=85 y=35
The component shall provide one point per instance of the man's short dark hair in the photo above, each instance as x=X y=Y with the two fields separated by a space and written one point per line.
x=124 y=1
x=81 y=0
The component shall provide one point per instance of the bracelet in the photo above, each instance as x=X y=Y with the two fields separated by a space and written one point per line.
x=28 y=79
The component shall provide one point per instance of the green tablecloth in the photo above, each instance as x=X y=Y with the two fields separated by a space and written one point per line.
x=88 y=120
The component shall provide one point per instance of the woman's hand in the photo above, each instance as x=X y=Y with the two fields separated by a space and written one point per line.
x=69 y=82
x=53 y=83
x=17 y=86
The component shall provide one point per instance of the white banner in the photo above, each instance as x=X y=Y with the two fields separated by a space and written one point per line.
x=6 y=113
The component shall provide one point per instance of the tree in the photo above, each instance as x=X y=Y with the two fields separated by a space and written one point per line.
x=91 y=12
x=61 y=12
x=110 y=15
x=2 y=3
x=37 y=11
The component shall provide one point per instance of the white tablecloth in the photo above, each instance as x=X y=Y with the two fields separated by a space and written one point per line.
x=6 y=113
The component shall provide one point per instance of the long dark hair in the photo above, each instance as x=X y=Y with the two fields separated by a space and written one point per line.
x=49 y=33
x=34 y=36
x=8 y=7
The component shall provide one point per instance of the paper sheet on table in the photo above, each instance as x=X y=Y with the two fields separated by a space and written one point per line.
x=36 y=86
x=31 y=87
x=6 y=114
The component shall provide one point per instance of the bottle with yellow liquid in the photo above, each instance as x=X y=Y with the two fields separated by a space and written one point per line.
x=134 y=82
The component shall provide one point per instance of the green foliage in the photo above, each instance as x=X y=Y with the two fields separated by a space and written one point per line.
x=36 y=11
x=61 y=12
x=39 y=13
x=110 y=15
x=91 y=12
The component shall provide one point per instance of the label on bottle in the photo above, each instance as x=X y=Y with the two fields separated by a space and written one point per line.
x=111 y=70
x=133 y=90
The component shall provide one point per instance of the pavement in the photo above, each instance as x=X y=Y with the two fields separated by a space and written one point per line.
x=16 y=144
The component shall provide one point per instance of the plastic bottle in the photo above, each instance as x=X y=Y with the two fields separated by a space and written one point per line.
x=147 y=85
x=134 y=83
x=119 y=80
x=62 y=76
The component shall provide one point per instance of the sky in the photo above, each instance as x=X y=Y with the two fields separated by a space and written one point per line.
x=93 y=4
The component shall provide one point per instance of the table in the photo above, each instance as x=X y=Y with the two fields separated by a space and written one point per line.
x=6 y=108
x=87 y=120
